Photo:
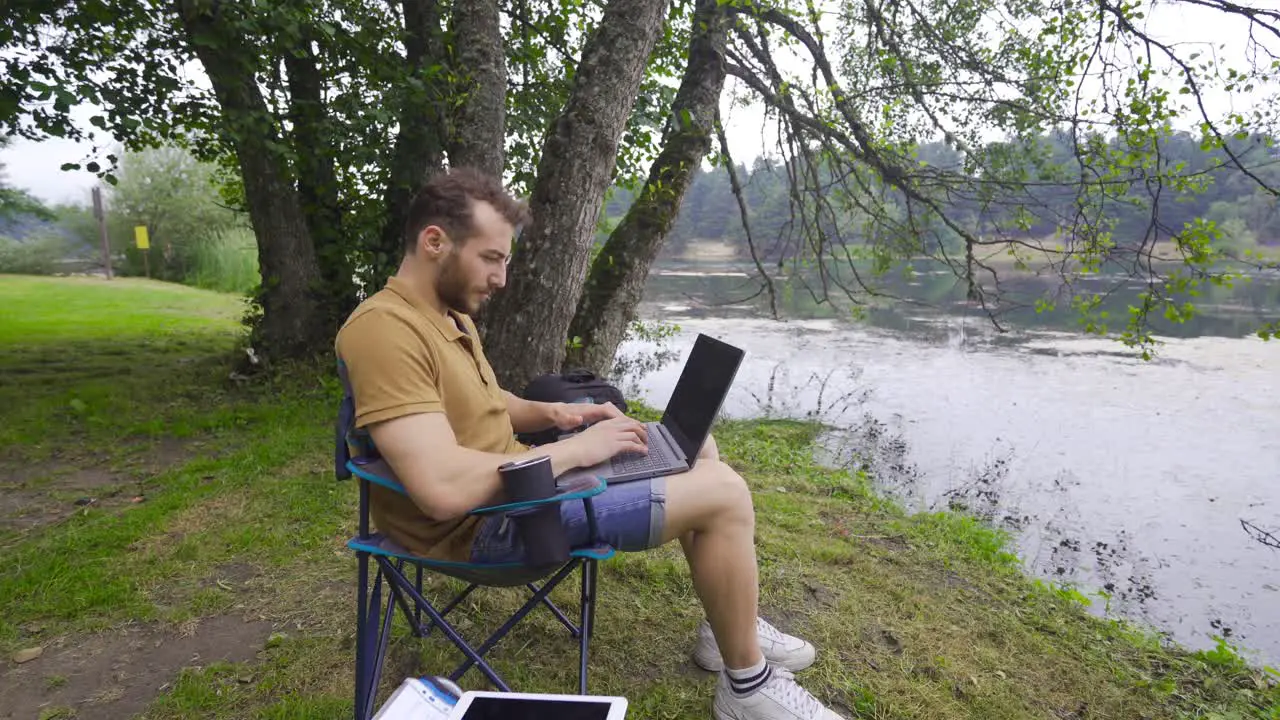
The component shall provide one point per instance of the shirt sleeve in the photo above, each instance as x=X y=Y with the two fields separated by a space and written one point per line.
x=392 y=370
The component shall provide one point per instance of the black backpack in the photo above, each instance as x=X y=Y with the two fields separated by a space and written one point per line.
x=571 y=386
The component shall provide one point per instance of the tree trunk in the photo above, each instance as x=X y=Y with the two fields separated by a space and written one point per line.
x=419 y=146
x=478 y=135
x=526 y=326
x=616 y=284
x=318 y=178
x=292 y=324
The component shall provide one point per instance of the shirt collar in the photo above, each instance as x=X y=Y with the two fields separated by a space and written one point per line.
x=442 y=323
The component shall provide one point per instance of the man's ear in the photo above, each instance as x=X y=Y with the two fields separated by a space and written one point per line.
x=432 y=240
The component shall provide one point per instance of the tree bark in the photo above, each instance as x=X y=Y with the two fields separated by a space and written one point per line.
x=616 y=283
x=478 y=134
x=525 y=328
x=292 y=324
x=419 y=146
x=318 y=178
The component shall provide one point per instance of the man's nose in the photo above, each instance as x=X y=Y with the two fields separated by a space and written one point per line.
x=499 y=278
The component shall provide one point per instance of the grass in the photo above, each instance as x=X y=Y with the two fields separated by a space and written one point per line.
x=915 y=616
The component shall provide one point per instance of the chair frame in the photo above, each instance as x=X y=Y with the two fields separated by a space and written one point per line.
x=380 y=563
x=375 y=615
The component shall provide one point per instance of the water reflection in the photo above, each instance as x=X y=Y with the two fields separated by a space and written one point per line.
x=931 y=292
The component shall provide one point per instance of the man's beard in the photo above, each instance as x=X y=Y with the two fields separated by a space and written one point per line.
x=454 y=290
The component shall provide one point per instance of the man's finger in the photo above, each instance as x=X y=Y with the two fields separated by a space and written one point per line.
x=606 y=411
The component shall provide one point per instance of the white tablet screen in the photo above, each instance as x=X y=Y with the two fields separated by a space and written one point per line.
x=492 y=708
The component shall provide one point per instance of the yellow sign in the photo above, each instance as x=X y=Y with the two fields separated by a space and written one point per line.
x=140 y=233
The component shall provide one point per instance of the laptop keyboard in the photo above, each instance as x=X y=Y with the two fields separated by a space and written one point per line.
x=658 y=458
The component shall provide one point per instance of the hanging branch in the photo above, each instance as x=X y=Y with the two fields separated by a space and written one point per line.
x=742 y=210
x=1265 y=537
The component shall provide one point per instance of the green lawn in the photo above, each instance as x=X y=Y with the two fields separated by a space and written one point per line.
x=210 y=526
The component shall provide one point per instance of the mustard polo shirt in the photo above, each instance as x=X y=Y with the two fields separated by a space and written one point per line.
x=404 y=358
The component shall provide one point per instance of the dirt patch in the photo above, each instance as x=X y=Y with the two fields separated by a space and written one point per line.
x=237 y=573
x=117 y=674
x=891 y=543
x=42 y=493
x=821 y=595
x=883 y=637
x=24 y=510
x=167 y=452
x=952 y=579
x=89 y=478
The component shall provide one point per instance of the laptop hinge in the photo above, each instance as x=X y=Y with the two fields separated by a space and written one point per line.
x=672 y=442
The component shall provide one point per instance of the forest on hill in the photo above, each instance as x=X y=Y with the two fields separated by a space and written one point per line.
x=1043 y=206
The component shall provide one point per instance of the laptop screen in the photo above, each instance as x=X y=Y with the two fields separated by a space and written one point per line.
x=700 y=392
x=492 y=708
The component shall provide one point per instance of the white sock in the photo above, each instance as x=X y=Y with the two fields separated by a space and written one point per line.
x=748 y=680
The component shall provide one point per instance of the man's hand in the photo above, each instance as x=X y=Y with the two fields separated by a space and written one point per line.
x=607 y=438
x=568 y=416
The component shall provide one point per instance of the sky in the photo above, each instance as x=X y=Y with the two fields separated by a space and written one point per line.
x=35 y=166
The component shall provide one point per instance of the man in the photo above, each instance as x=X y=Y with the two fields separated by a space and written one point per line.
x=431 y=404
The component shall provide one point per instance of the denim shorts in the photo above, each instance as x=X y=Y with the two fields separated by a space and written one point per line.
x=629 y=517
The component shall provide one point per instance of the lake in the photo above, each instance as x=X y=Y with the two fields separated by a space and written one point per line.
x=1152 y=481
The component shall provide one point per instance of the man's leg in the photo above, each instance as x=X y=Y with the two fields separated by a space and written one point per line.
x=710 y=451
x=709 y=509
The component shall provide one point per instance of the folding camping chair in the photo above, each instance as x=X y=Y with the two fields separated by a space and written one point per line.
x=375 y=615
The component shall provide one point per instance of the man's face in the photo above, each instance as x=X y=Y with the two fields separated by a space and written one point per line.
x=473 y=269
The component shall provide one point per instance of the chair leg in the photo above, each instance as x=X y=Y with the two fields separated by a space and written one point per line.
x=369 y=643
x=362 y=603
x=417 y=612
x=411 y=613
x=384 y=638
x=473 y=657
x=529 y=605
x=448 y=608
x=564 y=619
x=588 y=610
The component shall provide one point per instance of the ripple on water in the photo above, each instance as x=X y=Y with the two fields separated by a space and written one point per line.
x=1112 y=473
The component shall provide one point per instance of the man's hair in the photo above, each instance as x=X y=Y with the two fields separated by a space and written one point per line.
x=446 y=201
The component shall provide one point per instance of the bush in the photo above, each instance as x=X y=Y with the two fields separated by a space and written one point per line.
x=227 y=262
x=39 y=255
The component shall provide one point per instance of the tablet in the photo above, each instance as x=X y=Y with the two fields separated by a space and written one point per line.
x=478 y=705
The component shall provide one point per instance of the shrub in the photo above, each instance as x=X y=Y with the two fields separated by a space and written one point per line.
x=37 y=255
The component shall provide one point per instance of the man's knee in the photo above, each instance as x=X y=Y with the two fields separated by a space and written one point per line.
x=732 y=490
x=710 y=496
x=709 y=450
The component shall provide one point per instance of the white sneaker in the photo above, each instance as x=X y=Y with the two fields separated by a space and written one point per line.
x=779 y=648
x=781 y=698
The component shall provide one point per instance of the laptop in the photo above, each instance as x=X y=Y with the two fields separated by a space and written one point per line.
x=675 y=440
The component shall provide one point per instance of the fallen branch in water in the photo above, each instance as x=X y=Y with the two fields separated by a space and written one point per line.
x=1263 y=536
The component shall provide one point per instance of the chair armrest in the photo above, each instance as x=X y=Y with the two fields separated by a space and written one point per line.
x=579 y=488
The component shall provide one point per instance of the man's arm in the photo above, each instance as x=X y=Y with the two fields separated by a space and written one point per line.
x=446 y=480
x=528 y=416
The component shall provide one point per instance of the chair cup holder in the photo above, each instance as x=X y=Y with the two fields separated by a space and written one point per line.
x=543 y=534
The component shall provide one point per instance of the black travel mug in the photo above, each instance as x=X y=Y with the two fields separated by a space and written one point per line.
x=541 y=531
